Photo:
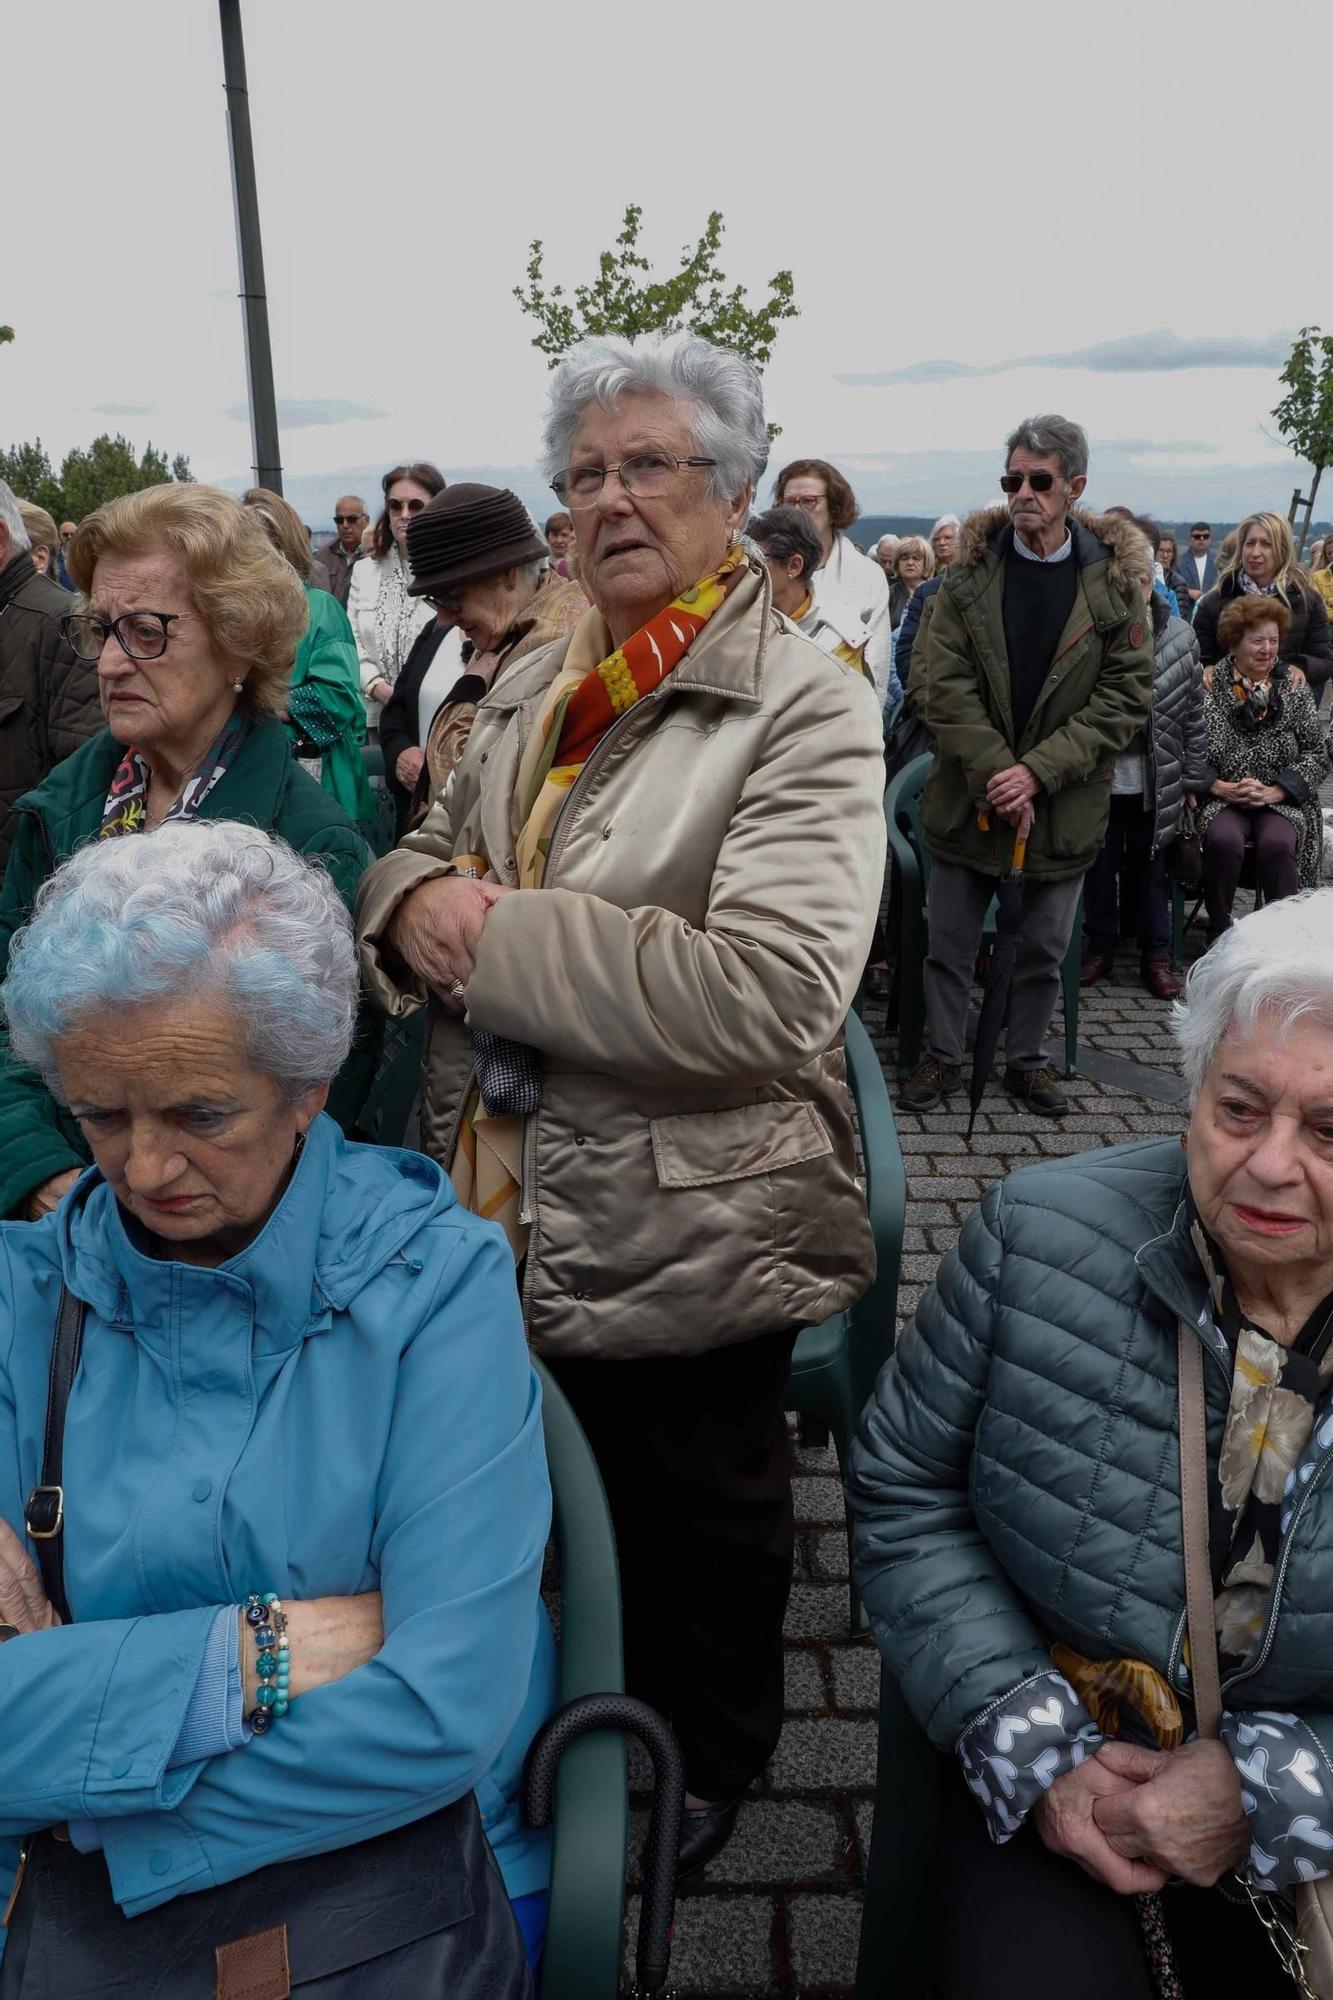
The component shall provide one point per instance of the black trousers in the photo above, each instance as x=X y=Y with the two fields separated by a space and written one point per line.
x=694 y=1453
x=1020 y=1923
x=1276 y=846
x=1125 y=858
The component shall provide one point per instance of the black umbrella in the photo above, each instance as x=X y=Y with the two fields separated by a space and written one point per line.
x=995 y=1000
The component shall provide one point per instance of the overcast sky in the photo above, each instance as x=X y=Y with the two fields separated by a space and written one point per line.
x=988 y=210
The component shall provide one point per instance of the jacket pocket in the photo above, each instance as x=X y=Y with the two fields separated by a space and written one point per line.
x=701 y=1148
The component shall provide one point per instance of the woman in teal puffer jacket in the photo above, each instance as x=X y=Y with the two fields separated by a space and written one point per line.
x=1017 y=1498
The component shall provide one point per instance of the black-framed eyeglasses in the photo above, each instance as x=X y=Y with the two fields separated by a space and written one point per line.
x=347 y=520
x=141 y=635
x=446 y=604
x=644 y=476
x=1040 y=482
x=410 y=506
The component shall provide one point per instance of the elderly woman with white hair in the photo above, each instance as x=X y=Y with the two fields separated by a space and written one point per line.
x=297 y=1489
x=639 y=914
x=1020 y=1538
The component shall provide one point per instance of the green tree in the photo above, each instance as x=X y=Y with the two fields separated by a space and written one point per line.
x=107 y=469
x=27 y=470
x=1305 y=414
x=6 y=333
x=624 y=298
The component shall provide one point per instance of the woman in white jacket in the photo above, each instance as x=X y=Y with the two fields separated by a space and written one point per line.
x=384 y=618
x=850 y=589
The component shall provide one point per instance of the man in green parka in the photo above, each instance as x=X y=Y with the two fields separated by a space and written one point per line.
x=1037 y=670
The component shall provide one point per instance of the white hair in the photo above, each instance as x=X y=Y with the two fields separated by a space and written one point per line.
x=945 y=521
x=721 y=387
x=1277 y=961
x=11 y=519
x=197 y=907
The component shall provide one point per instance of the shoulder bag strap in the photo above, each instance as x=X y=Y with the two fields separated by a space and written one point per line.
x=45 y=1517
x=1205 y=1676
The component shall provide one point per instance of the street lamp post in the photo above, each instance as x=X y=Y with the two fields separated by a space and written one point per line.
x=254 y=299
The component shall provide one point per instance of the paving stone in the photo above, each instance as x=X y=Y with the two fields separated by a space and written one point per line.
x=824 y=1932
x=819 y=1459
x=864 y=1813
x=719 y=1944
x=828 y=1557
x=941 y=1187
x=802 y=1681
x=817 y=1611
x=781 y=1841
x=822 y=1756
x=931 y=1142
x=1002 y=1142
x=920 y=1269
x=817 y=1499
x=856 y=1677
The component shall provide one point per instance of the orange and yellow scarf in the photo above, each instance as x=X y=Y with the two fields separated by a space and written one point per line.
x=586 y=697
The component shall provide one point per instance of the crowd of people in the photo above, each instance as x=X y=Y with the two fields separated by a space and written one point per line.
x=281 y=1595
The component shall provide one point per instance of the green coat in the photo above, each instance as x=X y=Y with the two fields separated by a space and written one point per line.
x=1095 y=697
x=326 y=665
x=264 y=787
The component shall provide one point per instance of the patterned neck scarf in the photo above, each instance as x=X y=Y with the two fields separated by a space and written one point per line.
x=395 y=615
x=1252 y=588
x=1255 y=704
x=581 y=704
x=1275 y=1394
x=126 y=808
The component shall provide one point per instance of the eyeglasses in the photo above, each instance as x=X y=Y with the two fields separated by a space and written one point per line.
x=1201 y=534
x=644 y=476
x=410 y=506
x=449 y=605
x=811 y=502
x=141 y=635
x=348 y=520
x=1040 y=482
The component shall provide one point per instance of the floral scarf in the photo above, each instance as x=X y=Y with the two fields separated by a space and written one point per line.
x=586 y=697
x=1275 y=1395
x=396 y=615
x=126 y=808
x=1256 y=704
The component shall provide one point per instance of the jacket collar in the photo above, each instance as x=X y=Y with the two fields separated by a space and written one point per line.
x=1171 y=1271
x=14 y=575
x=251 y=789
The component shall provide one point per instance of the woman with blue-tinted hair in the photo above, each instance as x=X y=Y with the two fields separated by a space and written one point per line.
x=303 y=1378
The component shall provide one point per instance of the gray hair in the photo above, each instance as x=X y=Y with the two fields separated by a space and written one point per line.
x=1278 y=961
x=724 y=390
x=945 y=521
x=1049 y=435
x=198 y=906
x=11 y=519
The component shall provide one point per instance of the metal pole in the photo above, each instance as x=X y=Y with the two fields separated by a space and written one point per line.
x=254 y=299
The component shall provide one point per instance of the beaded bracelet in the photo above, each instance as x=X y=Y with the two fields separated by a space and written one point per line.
x=268 y=1623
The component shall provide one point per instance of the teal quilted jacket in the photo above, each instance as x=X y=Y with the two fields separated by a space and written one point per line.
x=1016 y=1477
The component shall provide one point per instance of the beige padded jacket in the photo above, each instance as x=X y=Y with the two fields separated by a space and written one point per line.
x=711 y=887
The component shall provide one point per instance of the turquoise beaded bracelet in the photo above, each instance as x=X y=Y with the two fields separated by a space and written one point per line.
x=268 y=1624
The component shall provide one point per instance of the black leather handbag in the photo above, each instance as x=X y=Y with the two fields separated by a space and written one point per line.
x=415 y=1914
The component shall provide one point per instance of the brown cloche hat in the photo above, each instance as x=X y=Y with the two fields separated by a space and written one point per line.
x=468 y=532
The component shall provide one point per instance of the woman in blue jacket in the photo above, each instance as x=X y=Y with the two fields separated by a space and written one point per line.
x=303 y=1372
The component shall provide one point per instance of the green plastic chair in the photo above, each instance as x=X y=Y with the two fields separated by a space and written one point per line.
x=901 y=1886
x=389 y=1101
x=911 y=883
x=383 y=836
x=834 y=1364
x=581 y=1960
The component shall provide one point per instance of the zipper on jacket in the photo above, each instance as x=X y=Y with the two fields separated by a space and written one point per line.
x=1249 y=1671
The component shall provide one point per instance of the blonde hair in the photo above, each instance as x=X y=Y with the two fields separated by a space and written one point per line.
x=41 y=528
x=1278 y=530
x=250 y=601
x=915 y=545
x=284 y=528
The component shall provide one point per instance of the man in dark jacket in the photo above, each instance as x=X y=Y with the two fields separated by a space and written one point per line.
x=351 y=521
x=48 y=697
x=1037 y=664
x=1198 y=566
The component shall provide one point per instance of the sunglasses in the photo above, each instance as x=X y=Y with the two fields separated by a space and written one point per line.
x=412 y=506
x=347 y=520
x=1040 y=482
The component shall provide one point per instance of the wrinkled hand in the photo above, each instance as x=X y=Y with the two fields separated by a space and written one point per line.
x=50 y=1194
x=1231 y=791
x=1011 y=789
x=1183 y=1815
x=1064 y=1819
x=1257 y=793
x=437 y=928
x=23 y=1601
x=329 y=1637
x=407 y=767
x=380 y=689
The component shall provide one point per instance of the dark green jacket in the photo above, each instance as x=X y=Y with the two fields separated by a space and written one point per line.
x=265 y=787
x=1094 y=698
x=1016 y=1479
x=48 y=698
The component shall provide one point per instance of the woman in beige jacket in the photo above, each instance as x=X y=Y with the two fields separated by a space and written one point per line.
x=638 y=914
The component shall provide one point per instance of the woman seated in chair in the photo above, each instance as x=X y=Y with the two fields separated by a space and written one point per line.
x=303 y=1372
x=1018 y=1524
x=1267 y=757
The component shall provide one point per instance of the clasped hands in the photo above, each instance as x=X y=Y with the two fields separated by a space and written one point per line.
x=1133 y=1818
x=1011 y=792
x=436 y=930
x=1248 y=792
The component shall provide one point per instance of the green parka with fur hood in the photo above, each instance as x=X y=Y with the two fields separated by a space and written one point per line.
x=1096 y=695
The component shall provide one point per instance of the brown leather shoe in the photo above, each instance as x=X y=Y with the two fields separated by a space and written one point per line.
x=1160 y=976
x=1096 y=965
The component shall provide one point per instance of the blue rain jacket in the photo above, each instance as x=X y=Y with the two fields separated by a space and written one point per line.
x=347 y=1405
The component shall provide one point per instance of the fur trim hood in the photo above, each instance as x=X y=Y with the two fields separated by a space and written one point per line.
x=1108 y=538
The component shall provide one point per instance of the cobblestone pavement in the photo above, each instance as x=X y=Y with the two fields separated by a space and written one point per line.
x=778 y=1912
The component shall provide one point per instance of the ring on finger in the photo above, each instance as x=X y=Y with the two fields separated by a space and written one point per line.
x=457 y=990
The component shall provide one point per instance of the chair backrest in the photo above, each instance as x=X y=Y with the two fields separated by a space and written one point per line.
x=902 y=813
x=874 y=1319
x=581 y=1960
x=389 y=1101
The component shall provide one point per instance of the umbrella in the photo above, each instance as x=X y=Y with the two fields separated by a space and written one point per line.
x=1008 y=926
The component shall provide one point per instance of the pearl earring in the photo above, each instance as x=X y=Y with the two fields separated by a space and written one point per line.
x=238 y=687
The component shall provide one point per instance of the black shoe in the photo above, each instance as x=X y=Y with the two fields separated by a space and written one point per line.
x=1040 y=1088
x=929 y=1084
x=704 y=1833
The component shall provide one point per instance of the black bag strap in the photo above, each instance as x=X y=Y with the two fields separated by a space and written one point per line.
x=45 y=1517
